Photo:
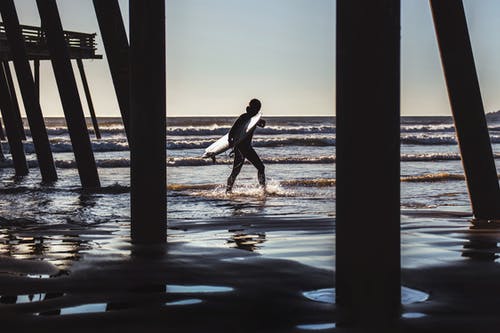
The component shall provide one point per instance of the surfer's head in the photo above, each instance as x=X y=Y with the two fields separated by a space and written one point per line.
x=254 y=106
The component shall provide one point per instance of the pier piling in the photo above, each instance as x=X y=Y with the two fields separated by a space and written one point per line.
x=147 y=121
x=36 y=69
x=467 y=107
x=15 y=102
x=88 y=97
x=368 y=287
x=2 y=133
x=11 y=127
x=116 y=45
x=68 y=91
x=27 y=87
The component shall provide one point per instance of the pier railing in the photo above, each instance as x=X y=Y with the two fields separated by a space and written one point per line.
x=81 y=45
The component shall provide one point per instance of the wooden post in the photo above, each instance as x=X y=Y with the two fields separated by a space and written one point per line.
x=11 y=127
x=15 y=102
x=368 y=287
x=467 y=107
x=89 y=98
x=2 y=134
x=36 y=68
x=68 y=92
x=26 y=85
x=116 y=45
x=2 y=156
x=147 y=121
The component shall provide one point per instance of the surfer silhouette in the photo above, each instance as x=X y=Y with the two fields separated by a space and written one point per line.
x=243 y=149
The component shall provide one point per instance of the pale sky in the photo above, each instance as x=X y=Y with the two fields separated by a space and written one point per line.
x=221 y=53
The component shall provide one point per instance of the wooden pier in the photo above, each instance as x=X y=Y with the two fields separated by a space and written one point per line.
x=138 y=72
x=22 y=44
x=80 y=45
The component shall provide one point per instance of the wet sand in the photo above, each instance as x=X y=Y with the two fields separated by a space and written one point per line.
x=224 y=286
x=179 y=288
x=461 y=273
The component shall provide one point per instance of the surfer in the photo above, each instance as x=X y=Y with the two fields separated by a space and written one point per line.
x=244 y=148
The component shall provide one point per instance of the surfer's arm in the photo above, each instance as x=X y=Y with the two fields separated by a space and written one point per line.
x=233 y=129
x=261 y=123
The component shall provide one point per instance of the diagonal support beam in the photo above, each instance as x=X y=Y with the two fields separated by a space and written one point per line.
x=36 y=69
x=15 y=102
x=11 y=127
x=88 y=96
x=467 y=107
x=68 y=91
x=116 y=45
x=2 y=133
x=27 y=87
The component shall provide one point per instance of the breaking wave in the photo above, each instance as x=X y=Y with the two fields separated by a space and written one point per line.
x=433 y=177
x=257 y=142
x=269 y=130
x=198 y=161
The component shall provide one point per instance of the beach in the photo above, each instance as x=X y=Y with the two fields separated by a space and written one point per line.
x=250 y=261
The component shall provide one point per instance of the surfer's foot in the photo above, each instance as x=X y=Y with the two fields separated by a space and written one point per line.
x=230 y=183
x=262 y=179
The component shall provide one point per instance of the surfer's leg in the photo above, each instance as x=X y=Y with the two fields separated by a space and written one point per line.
x=252 y=156
x=237 y=164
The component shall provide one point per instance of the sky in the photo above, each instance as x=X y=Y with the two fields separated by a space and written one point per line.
x=222 y=53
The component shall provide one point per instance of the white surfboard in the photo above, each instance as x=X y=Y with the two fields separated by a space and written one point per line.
x=240 y=133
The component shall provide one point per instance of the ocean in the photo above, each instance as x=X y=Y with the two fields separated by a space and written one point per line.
x=299 y=154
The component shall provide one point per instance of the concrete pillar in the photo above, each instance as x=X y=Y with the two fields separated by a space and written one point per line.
x=11 y=127
x=147 y=121
x=368 y=287
x=68 y=91
x=81 y=69
x=26 y=85
x=115 y=42
x=467 y=107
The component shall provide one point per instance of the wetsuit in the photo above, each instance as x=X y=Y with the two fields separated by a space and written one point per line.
x=244 y=150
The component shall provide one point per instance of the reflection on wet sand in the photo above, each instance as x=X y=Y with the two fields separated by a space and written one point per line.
x=482 y=242
x=247 y=242
x=59 y=250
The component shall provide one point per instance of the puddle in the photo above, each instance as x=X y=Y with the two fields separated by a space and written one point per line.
x=79 y=309
x=28 y=298
x=21 y=299
x=39 y=276
x=182 y=289
x=233 y=259
x=316 y=327
x=184 y=302
x=408 y=295
x=321 y=295
x=413 y=315
x=85 y=308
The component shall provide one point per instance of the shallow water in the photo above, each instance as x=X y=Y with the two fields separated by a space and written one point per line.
x=61 y=224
